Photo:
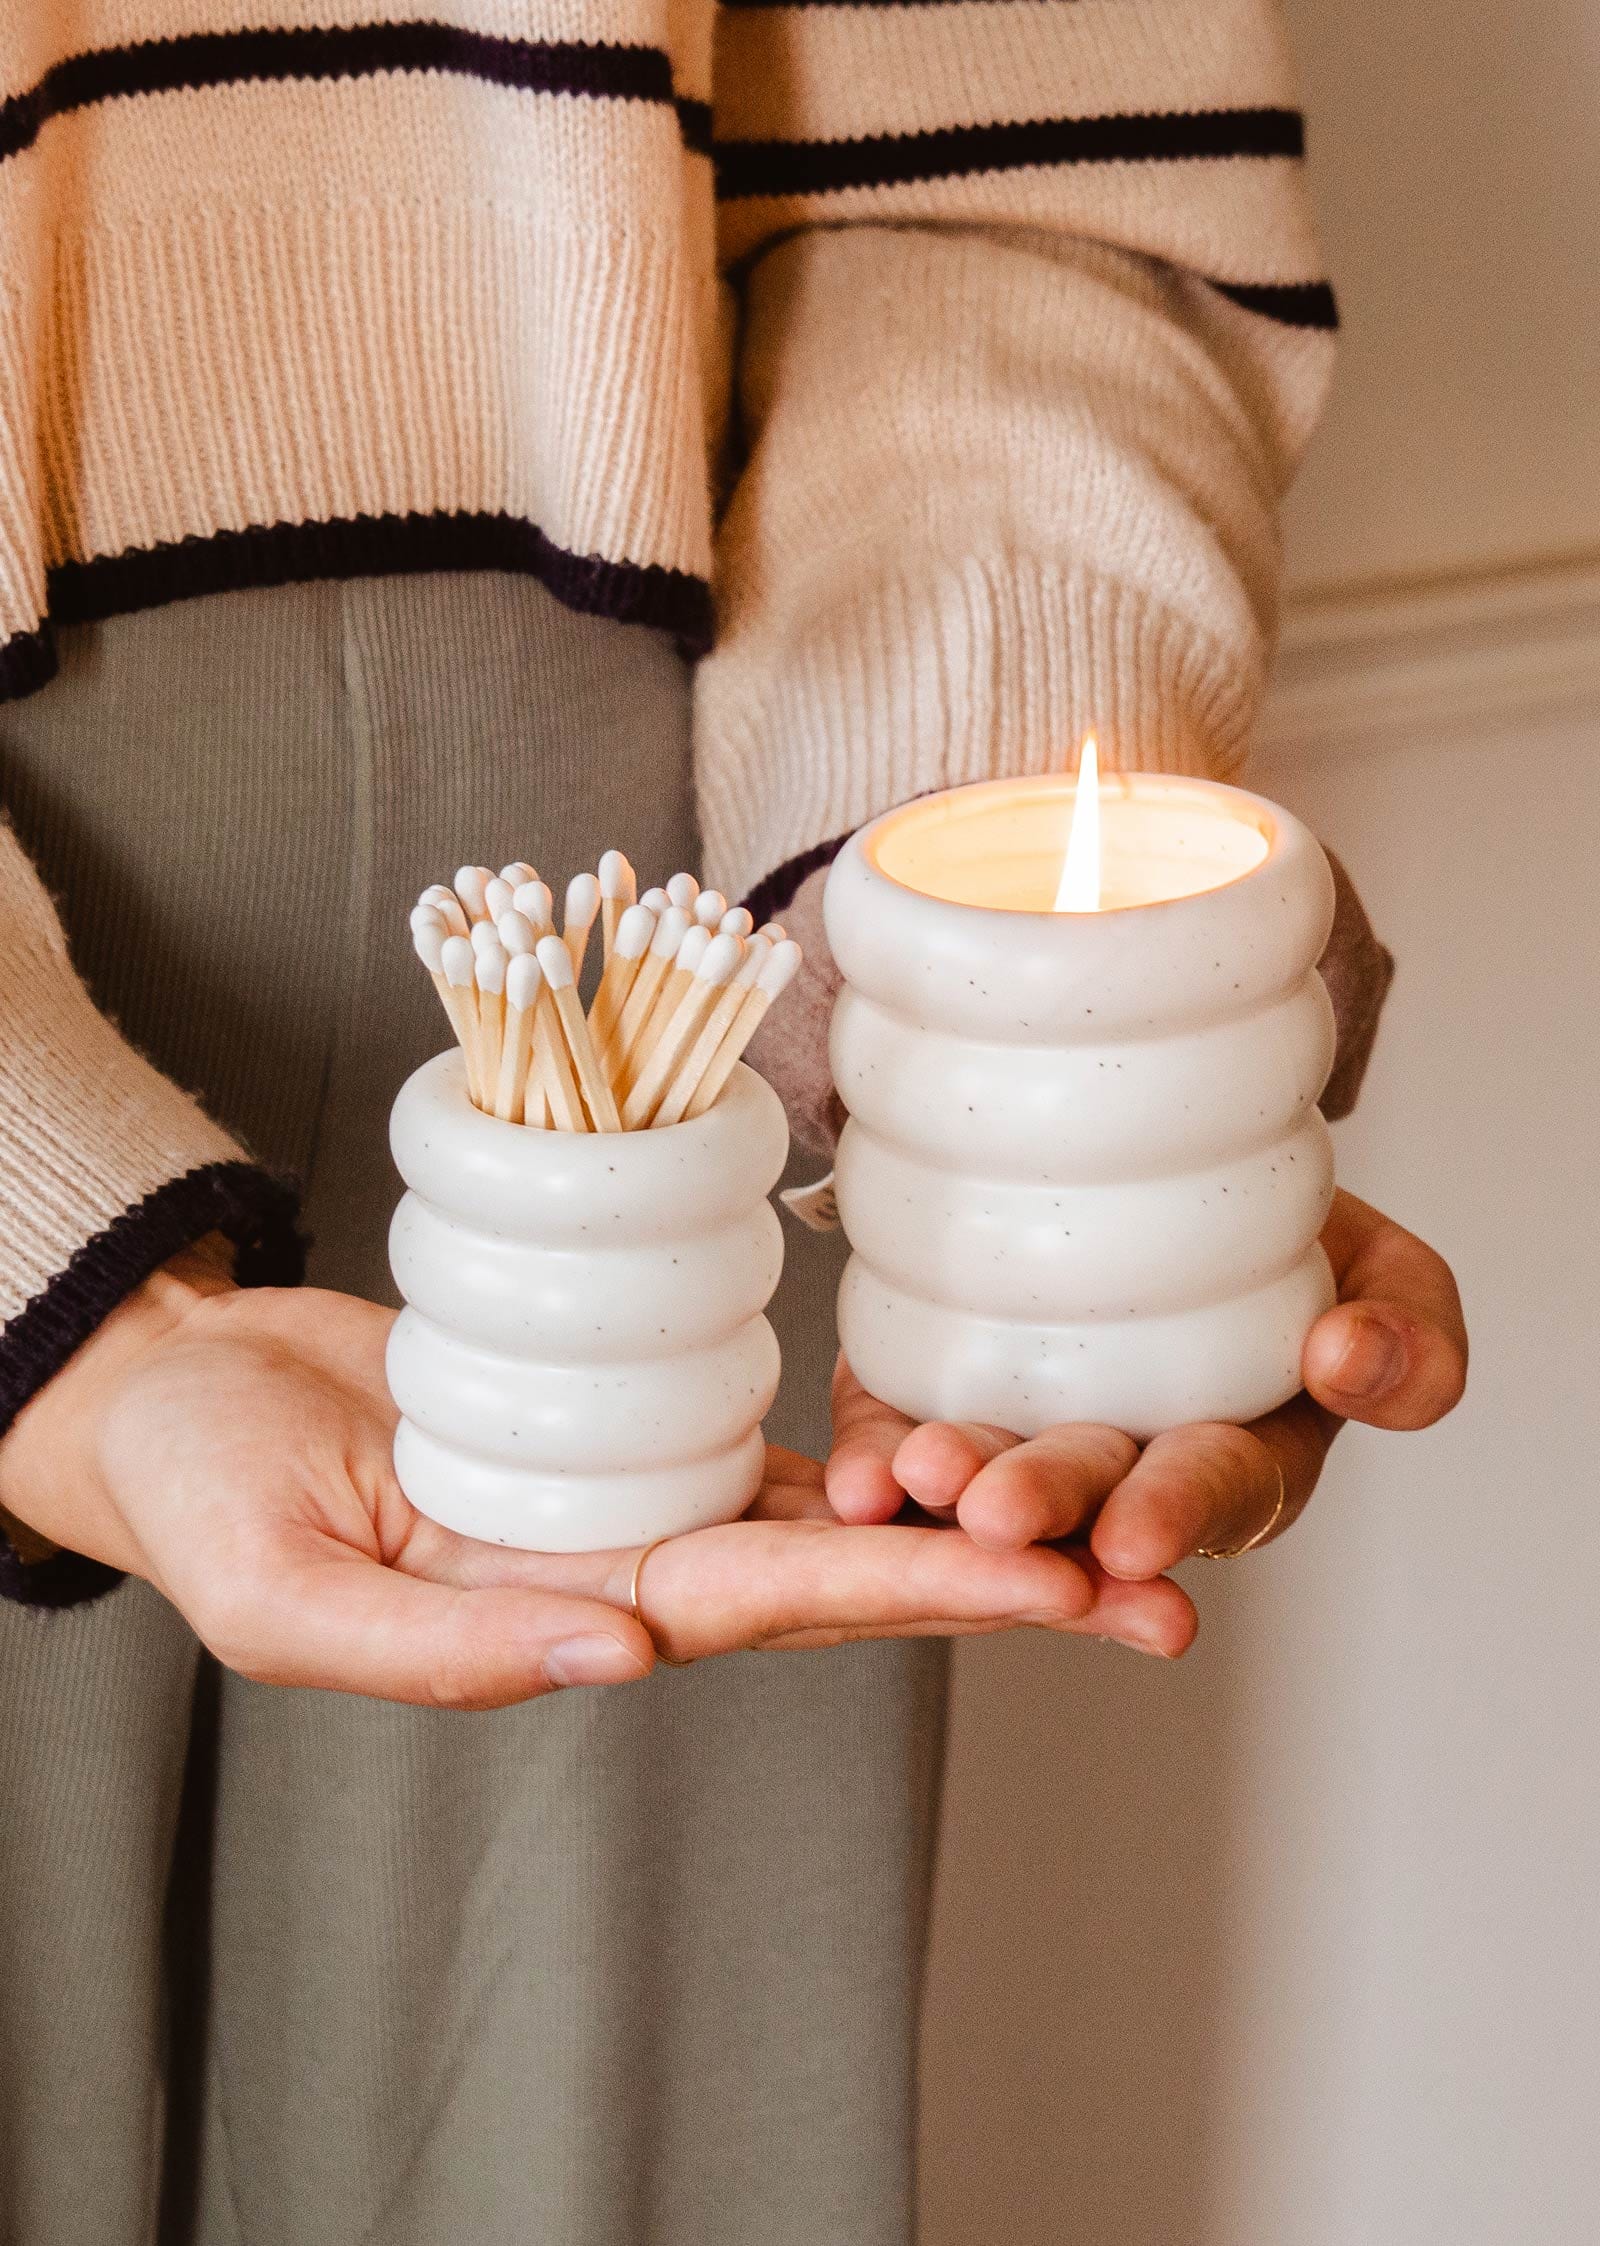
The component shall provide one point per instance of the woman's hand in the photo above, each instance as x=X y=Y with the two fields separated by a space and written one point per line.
x=1392 y=1353
x=234 y=1449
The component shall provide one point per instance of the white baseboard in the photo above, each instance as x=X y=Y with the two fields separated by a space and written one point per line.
x=1426 y=662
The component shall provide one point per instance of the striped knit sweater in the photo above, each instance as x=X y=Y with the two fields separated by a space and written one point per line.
x=952 y=354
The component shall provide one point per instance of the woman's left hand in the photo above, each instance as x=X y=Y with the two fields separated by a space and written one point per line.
x=1392 y=1353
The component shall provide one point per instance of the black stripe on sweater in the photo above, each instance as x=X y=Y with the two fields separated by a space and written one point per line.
x=65 y=1579
x=817 y=167
x=775 y=892
x=27 y=662
x=230 y=58
x=84 y=592
x=1298 y=304
x=255 y=1211
x=694 y=124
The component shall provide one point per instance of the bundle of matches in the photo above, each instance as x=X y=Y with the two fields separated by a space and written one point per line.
x=685 y=984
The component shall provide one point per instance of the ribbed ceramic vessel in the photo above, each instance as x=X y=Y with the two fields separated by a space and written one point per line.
x=583 y=1360
x=1084 y=1172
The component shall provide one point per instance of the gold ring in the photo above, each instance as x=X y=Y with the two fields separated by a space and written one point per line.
x=637 y=1611
x=1237 y=1551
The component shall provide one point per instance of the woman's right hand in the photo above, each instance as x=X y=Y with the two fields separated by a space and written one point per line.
x=234 y=1448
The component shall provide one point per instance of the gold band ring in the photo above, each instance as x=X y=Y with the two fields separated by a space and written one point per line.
x=634 y=1608
x=1237 y=1551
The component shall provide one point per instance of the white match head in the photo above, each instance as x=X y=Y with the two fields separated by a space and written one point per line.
x=683 y=889
x=634 y=931
x=738 y=920
x=534 y=901
x=524 y=979
x=492 y=962
x=755 y=958
x=693 y=949
x=583 y=902
x=499 y=895
x=709 y=908
x=484 y=933
x=447 y=904
x=428 y=935
x=779 y=969
x=721 y=960
x=774 y=931
x=470 y=882
x=518 y=872
x=556 y=961
x=459 y=962
x=517 y=932
x=657 y=900
x=618 y=882
x=671 y=929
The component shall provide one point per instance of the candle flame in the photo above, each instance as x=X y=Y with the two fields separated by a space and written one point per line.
x=1080 y=872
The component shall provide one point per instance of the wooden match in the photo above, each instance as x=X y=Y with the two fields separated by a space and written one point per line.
x=685 y=983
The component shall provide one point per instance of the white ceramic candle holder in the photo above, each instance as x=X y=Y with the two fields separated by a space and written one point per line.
x=1084 y=1172
x=582 y=1362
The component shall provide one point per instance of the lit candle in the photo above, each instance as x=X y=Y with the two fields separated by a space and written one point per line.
x=1081 y=1040
x=1079 y=887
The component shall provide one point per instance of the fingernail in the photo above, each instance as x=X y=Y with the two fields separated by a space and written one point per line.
x=1137 y=1641
x=1373 y=1360
x=593 y=1660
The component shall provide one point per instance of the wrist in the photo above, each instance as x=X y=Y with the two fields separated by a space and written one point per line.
x=51 y=1486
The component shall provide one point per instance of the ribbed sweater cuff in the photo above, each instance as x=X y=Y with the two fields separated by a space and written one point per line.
x=993 y=669
x=252 y=1209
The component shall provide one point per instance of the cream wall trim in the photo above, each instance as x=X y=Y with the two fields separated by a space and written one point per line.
x=1370 y=670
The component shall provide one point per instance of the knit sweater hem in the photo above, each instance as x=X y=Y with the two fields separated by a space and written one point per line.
x=337 y=372
x=285 y=553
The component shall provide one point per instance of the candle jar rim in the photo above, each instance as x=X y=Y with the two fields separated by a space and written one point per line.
x=1008 y=975
x=585 y=1185
x=451 y=1065
x=1254 y=812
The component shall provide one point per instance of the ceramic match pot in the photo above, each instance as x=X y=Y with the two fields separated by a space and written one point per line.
x=1084 y=1172
x=582 y=1362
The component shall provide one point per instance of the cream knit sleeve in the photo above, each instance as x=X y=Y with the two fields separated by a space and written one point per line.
x=106 y=1170
x=1032 y=335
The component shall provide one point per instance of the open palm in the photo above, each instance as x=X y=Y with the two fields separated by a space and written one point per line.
x=241 y=1462
x=1392 y=1353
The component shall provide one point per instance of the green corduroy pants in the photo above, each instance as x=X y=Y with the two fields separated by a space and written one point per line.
x=636 y=1967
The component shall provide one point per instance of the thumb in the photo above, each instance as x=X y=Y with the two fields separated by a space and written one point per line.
x=1394 y=1352
x=342 y=1621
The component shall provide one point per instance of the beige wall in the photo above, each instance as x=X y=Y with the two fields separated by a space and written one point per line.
x=1455 y=150
x=1291 y=1944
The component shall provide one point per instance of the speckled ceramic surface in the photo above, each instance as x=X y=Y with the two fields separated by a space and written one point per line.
x=583 y=1361
x=1084 y=1173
